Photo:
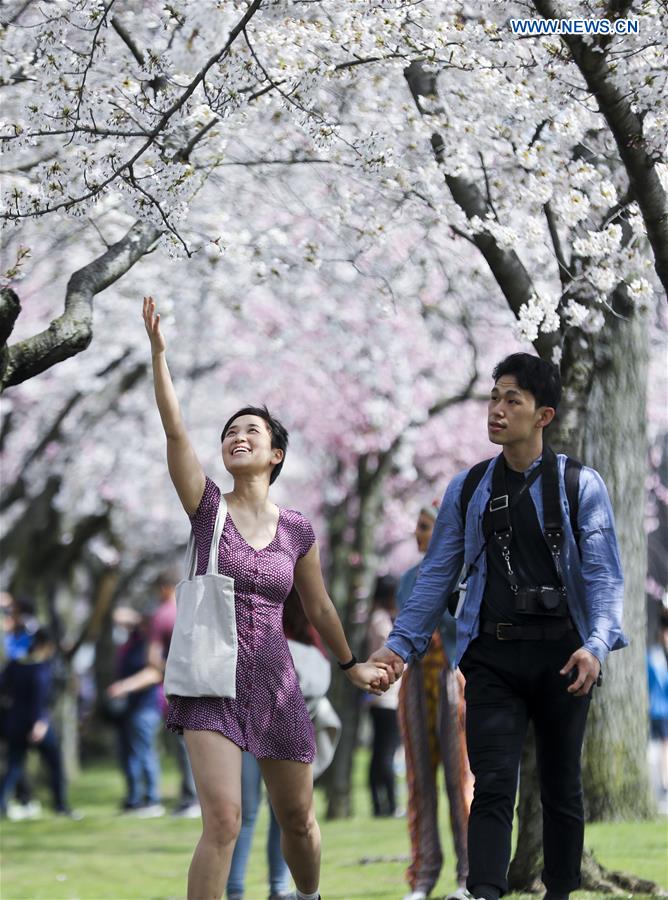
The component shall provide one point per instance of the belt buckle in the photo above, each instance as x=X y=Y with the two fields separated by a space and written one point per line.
x=499 y=625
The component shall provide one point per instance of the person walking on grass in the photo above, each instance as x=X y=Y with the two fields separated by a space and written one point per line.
x=27 y=683
x=383 y=709
x=432 y=717
x=264 y=549
x=541 y=611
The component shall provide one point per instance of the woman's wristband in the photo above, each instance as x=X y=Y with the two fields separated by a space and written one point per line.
x=351 y=662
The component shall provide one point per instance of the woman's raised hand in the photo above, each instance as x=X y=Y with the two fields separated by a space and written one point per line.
x=152 y=324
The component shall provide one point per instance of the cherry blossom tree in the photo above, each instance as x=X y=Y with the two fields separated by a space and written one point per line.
x=416 y=139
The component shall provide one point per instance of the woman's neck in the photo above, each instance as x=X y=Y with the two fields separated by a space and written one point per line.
x=251 y=493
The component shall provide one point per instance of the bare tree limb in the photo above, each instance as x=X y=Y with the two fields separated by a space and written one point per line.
x=72 y=331
x=126 y=37
x=508 y=270
x=565 y=274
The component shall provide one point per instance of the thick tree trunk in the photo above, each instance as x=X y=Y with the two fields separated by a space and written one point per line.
x=357 y=559
x=614 y=443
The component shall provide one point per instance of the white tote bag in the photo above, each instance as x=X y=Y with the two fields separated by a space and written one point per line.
x=202 y=658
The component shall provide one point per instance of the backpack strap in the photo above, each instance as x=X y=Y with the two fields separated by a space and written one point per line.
x=571 y=479
x=471 y=482
x=572 y=482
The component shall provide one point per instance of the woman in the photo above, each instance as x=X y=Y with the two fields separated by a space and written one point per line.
x=431 y=721
x=264 y=549
x=386 y=737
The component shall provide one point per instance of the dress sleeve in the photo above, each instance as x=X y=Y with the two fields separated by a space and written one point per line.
x=306 y=537
x=210 y=500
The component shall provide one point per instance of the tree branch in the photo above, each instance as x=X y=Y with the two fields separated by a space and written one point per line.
x=153 y=134
x=565 y=274
x=506 y=267
x=71 y=332
x=126 y=37
x=626 y=127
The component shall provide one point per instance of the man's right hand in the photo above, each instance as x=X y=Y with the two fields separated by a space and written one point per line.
x=394 y=663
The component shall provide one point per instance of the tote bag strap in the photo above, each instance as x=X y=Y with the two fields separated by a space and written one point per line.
x=191 y=551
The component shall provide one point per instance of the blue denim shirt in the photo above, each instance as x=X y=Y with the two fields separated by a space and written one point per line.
x=594 y=584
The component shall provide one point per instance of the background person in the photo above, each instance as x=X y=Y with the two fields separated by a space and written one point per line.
x=27 y=682
x=19 y=625
x=432 y=723
x=657 y=673
x=160 y=636
x=137 y=685
x=383 y=708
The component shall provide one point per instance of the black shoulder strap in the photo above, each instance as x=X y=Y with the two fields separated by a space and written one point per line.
x=471 y=482
x=571 y=478
x=572 y=481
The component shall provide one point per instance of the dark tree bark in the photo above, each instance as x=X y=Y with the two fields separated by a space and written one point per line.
x=71 y=332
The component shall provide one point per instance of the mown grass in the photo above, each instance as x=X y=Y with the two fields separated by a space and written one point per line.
x=110 y=857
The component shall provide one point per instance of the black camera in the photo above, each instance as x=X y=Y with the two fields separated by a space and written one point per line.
x=542 y=601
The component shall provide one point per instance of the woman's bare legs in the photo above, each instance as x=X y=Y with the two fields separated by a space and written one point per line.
x=290 y=788
x=216 y=765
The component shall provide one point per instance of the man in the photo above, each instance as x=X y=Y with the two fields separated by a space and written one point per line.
x=541 y=611
x=160 y=636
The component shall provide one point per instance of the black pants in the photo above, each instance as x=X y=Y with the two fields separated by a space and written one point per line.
x=381 y=768
x=49 y=749
x=507 y=684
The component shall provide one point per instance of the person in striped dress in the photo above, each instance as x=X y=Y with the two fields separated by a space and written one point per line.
x=432 y=724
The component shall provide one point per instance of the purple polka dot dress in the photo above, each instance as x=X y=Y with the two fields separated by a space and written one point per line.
x=268 y=716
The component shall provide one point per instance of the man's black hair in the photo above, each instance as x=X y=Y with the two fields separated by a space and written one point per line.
x=533 y=374
x=279 y=435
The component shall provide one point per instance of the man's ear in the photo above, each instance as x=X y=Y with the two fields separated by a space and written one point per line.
x=546 y=414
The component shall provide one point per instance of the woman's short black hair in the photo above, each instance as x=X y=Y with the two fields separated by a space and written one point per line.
x=533 y=374
x=279 y=434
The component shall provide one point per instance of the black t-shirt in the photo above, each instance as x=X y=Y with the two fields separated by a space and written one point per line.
x=530 y=558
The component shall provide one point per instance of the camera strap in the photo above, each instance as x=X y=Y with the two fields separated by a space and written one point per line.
x=516 y=499
x=499 y=508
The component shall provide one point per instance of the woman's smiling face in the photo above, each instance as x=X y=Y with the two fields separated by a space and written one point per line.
x=247 y=446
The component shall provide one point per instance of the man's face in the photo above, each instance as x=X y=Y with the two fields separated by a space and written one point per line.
x=512 y=414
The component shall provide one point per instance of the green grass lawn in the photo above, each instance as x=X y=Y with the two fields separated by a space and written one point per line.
x=110 y=857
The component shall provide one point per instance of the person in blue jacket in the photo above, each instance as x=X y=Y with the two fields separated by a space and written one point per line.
x=26 y=682
x=657 y=675
x=541 y=611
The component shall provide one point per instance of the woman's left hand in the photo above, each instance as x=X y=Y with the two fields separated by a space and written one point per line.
x=369 y=677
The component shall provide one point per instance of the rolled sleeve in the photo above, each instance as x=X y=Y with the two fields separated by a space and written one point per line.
x=436 y=580
x=601 y=568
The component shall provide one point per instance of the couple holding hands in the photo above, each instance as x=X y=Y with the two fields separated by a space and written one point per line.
x=266 y=550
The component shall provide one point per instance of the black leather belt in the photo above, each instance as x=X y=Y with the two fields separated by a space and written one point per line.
x=505 y=631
